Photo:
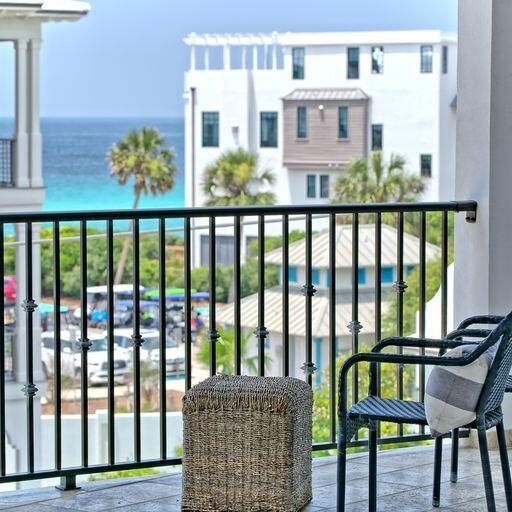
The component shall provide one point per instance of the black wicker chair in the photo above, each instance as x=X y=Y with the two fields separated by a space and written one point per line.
x=373 y=409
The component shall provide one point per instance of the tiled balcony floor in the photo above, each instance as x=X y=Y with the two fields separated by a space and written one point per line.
x=405 y=484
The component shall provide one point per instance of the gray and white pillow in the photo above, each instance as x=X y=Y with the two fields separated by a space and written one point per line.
x=452 y=392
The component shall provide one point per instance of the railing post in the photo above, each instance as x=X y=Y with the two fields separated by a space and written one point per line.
x=67 y=483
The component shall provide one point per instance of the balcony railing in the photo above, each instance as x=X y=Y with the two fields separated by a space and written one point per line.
x=6 y=163
x=208 y=219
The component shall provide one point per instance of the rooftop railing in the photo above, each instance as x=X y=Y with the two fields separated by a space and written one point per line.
x=188 y=219
x=6 y=163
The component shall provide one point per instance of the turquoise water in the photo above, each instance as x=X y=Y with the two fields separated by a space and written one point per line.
x=76 y=170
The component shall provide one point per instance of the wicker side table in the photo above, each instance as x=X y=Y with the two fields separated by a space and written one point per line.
x=247 y=445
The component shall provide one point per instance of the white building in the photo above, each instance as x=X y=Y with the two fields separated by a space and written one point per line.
x=308 y=103
x=22 y=189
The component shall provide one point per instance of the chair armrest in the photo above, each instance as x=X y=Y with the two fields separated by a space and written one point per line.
x=397 y=341
x=468 y=333
x=481 y=319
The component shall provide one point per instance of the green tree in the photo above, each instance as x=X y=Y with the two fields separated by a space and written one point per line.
x=235 y=179
x=142 y=157
x=226 y=353
x=372 y=180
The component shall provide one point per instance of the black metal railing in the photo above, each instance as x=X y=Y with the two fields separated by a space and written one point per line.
x=189 y=219
x=6 y=163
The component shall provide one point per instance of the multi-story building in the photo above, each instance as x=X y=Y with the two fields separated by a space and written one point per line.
x=308 y=103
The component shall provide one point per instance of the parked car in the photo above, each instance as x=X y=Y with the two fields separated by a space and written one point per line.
x=9 y=289
x=69 y=351
x=98 y=363
x=150 y=349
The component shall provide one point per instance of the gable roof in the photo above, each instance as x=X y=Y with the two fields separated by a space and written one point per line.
x=321 y=243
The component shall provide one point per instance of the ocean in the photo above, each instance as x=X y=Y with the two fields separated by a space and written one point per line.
x=75 y=163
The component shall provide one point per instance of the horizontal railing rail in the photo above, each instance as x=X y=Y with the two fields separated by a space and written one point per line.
x=26 y=340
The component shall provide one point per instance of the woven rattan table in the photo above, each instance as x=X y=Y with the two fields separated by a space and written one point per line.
x=247 y=445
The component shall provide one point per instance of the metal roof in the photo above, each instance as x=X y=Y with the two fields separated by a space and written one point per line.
x=320 y=311
x=340 y=93
x=321 y=244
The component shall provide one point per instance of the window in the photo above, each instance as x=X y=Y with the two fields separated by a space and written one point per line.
x=311 y=186
x=324 y=186
x=377 y=60
x=445 y=59
x=268 y=129
x=361 y=276
x=292 y=274
x=343 y=123
x=223 y=250
x=302 y=122
x=298 y=63
x=386 y=275
x=426 y=59
x=353 y=63
x=315 y=276
x=426 y=165
x=376 y=137
x=211 y=129
x=409 y=269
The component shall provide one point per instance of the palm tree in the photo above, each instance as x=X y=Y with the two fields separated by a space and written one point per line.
x=234 y=179
x=141 y=156
x=372 y=180
x=225 y=354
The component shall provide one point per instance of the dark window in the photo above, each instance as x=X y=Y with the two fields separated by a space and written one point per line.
x=426 y=58
x=268 y=129
x=343 y=123
x=315 y=276
x=324 y=186
x=378 y=60
x=445 y=59
x=302 y=122
x=426 y=165
x=224 y=254
x=292 y=274
x=311 y=186
x=298 y=63
x=211 y=129
x=361 y=275
x=376 y=137
x=353 y=63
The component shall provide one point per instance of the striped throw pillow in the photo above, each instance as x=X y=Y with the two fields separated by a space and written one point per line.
x=452 y=392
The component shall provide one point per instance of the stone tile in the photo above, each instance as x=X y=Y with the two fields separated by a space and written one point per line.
x=36 y=507
x=357 y=490
x=26 y=496
x=164 y=505
x=114 y=496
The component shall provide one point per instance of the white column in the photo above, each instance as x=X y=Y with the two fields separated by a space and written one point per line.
x=483 y=265
x=274 y=56
x=227 y=56
x=21 y=156
x=265 y=59
x=244 y=57
x=36 y=152
x=255 y=57
x=192 y=57
x=206 y=57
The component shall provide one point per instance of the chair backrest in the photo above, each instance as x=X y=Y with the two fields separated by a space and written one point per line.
x=494 y=386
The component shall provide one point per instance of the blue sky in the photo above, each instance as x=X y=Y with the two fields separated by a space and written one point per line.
x=127 y=57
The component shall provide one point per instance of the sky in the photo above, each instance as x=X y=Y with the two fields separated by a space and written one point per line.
x=127 y=57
